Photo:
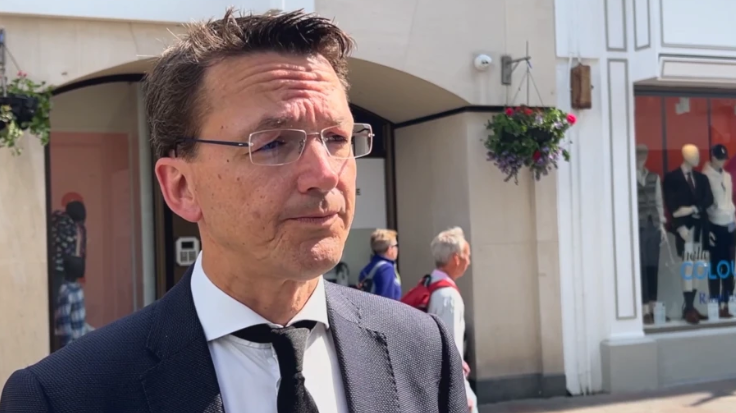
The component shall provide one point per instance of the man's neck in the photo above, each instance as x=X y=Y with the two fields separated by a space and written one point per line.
x=449 y=273
x=686 y=167
x=384 y=257
x=277 y=300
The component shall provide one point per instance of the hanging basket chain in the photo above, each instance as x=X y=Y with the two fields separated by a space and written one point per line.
x=4 y=49
x=528 y=76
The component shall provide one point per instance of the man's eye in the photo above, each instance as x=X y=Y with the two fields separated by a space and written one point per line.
x=336 y=139
x=271 y=146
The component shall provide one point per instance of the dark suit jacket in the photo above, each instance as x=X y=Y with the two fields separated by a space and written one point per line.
x=393 y=359
x=677 y=194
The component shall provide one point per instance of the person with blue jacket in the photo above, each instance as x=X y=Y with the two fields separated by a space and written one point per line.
x=380 y=276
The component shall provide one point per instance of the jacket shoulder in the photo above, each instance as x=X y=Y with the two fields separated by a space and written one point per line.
x=392 y=317
x=111 y=355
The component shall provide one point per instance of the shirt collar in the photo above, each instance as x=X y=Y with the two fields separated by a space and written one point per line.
x=221 y=314
x=441 y=275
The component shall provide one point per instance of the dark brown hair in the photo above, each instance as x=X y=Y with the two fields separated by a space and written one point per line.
x=173 y=88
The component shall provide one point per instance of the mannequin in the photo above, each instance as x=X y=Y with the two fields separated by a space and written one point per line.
x=70 y=318
x=651 y=230
x=722 y=217
x=687 y=195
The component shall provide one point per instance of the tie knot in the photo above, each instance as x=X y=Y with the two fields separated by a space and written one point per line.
x=288 y=342
x=264 y=333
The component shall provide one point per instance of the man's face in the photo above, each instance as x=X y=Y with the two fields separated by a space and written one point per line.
x=641 y=159
x=393 y=251
x=465 y=259
x=719 y=163
x=291 y=221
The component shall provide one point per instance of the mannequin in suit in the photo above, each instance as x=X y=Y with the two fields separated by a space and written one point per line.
x=687 y=195
x=651 y=230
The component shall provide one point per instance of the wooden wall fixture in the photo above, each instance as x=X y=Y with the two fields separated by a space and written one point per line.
x=580 y=87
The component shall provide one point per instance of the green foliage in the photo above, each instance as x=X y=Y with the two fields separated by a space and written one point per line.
x=526 y=137
x=39 y=125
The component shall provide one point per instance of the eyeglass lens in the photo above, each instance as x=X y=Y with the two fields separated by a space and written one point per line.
x=282 y=146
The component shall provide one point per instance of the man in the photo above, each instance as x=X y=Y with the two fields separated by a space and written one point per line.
x=451 y=253
x=380 y=276
x=256 y=144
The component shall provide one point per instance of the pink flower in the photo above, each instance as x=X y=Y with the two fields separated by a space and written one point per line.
x=536 y=156
x=571 y=119
x=22 y=74
x=509 y=111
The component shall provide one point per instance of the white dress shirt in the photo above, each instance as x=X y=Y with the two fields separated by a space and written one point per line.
x=722 y=211
x=247 y=372
x=448 y=305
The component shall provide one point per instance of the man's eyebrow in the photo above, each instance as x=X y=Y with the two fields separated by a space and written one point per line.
x=276 y=122
x=272 y=122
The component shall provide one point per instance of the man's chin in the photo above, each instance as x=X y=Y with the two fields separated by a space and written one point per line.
x=321 y=256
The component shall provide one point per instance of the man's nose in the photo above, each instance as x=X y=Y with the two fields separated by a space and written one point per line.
x=318 y=170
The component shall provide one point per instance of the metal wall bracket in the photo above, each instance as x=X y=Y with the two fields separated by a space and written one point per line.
x=2 y=47
x=3 y=79
x=508 y=65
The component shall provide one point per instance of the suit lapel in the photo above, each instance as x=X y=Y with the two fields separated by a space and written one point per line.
x=184 y=378
x=365 y=364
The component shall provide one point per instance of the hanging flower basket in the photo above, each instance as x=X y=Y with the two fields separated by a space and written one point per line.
x=25 y=107
x=528 y=138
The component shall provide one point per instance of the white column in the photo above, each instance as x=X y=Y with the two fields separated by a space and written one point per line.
x=597 y=214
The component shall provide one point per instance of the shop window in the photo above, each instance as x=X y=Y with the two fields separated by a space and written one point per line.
x=94 y=218
x=685 y=206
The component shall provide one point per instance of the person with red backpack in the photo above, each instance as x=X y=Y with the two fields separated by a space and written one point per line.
x=438 y=294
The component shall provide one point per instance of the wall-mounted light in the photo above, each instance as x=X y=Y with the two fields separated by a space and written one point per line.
x=482 y=62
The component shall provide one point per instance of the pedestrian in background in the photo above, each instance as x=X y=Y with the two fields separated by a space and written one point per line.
x=380 y=276
x=451 y=253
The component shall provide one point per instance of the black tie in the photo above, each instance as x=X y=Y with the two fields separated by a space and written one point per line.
x=289 y=344
x=690 y=181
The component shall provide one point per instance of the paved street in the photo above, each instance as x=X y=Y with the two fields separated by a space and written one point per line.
x=719 y=397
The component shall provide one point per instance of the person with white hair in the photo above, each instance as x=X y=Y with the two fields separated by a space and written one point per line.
x=451 y=253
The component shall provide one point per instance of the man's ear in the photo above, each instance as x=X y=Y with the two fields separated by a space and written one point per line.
x=175 y=179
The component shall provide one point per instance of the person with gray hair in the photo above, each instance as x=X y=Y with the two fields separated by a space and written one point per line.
x=451 y=253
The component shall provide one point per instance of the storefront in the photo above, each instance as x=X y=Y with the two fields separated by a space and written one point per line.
x=560 y=297
x=419 y=89
x=634 y=291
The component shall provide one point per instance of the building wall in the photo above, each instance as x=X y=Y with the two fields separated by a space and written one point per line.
x=23 y=263
x=436 y=40
x=664 y=43
x=511 y=288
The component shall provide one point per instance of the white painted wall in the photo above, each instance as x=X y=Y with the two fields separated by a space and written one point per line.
x=624 y=42
x=167 y=11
